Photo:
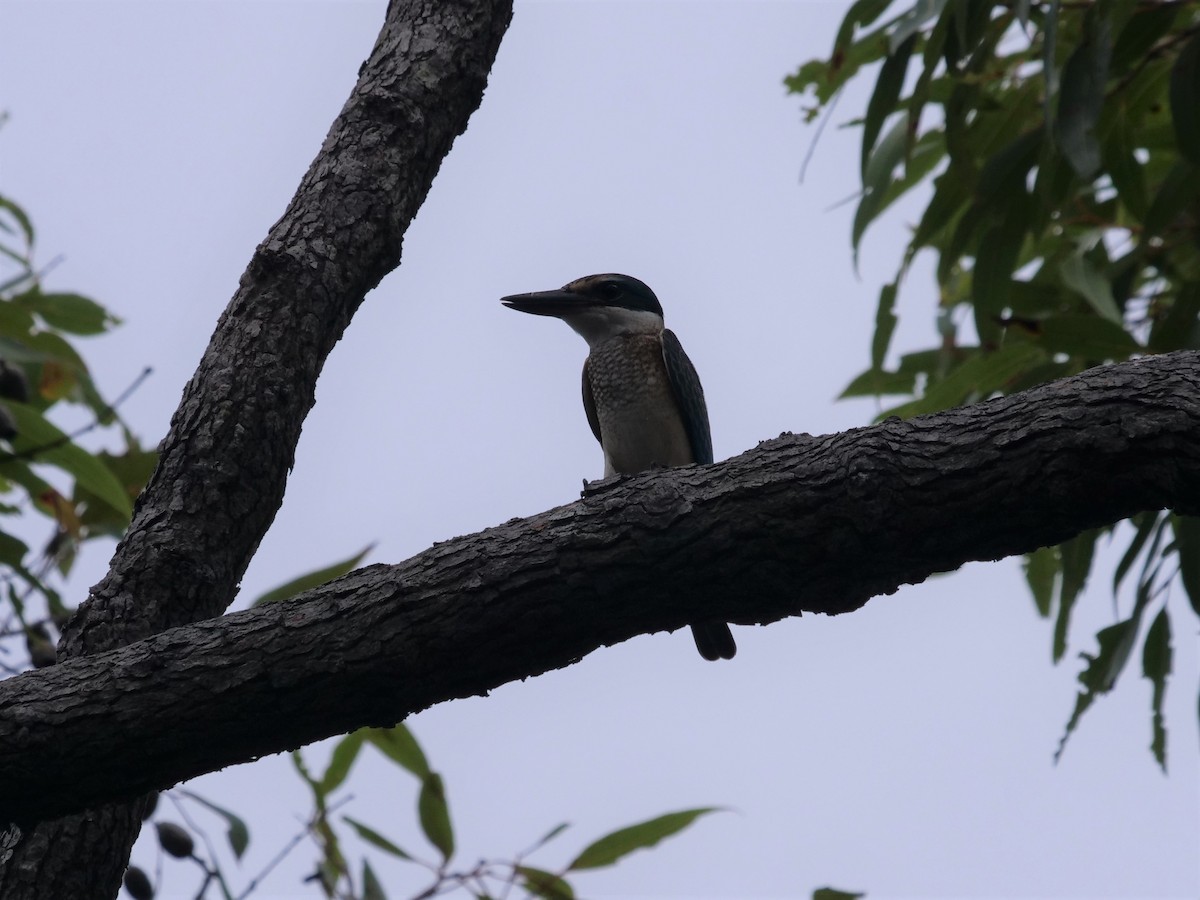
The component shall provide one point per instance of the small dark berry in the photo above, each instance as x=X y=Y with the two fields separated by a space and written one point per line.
x=174 y=839
x=137 y=883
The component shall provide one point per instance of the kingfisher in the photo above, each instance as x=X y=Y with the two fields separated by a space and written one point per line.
x=641 y=393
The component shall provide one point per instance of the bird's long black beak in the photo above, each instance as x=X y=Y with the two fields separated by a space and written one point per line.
x=547 y=303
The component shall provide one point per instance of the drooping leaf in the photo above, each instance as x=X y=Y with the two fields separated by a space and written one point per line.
x=433 y=812
x=1080 y=275
x=548 y=837
x=1156 y=666
x=1127 y=174
x=1140 y=33
x=1041 y=571
x=884 y=97
x=1081 y=98
x=861 y=12
x=997 y=257
x=1180 y=328
x=619 y=844
x=1177 y=191
x=238 y=834
x=313 y=579
x=1185 y=99
x=1101 y=672
x=885 y=324
x=20 y=217
x=375 y=839
x=1076 y=555
x=877 y=178
x=1187 y=544
x=1145 y=523
x=43 y=442
x=12 y=550
x=340 y=761
x=372 y=888
x=398 y=744
x=1049 y=63
x=912 y=20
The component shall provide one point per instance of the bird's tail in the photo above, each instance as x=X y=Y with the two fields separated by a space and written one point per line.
x=714 y=640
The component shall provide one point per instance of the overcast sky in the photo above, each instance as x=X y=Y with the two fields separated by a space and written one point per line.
x=904 y=749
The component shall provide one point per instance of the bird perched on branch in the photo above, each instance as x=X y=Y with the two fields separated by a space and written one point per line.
x=641 y=393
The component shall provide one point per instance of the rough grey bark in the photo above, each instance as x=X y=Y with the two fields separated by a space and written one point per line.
x=799 y=524
x=225 y=460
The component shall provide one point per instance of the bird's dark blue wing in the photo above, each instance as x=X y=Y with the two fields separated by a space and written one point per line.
x=685 y=384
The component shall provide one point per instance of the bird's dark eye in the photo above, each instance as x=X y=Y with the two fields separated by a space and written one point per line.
x=610 y=290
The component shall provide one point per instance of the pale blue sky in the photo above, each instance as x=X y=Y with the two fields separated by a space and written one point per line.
x=904 y=749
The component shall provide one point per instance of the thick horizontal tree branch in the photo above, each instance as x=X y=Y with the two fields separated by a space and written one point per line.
x=799 y=524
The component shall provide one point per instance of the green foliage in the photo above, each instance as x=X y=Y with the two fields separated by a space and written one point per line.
x=43 y=472
x=313 y=579
x=486 y=878
x=834 y=894
x=1062 y=145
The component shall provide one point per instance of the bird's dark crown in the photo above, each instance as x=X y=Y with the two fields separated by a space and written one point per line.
x=612 y=289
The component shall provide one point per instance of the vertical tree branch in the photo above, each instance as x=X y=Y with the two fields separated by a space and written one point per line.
x=225 y=459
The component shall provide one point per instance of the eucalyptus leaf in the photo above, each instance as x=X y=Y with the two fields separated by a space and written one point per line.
x=618 y=844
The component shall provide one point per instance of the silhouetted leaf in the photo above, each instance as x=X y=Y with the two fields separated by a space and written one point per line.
x=613 y=847
x=238 y=834
x=1101 y=671
x=1145 y=523
x=1156 y=665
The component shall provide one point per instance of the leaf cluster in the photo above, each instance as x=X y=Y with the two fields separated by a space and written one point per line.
x=43 y=471
x=487 y=878
x=1060 y=145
